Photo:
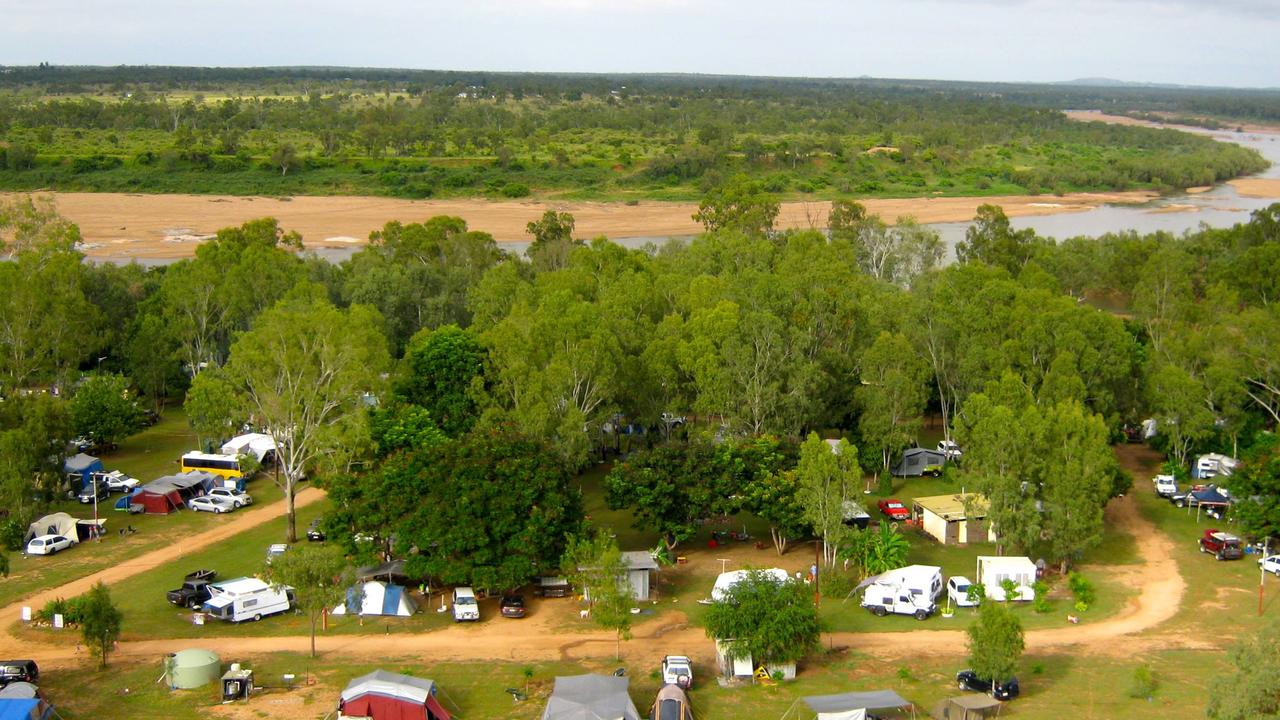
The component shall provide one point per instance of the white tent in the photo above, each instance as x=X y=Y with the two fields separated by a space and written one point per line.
x=258 y=445
x=53 y=524
x=590 y=697
x=731 y=578
x=378 y=598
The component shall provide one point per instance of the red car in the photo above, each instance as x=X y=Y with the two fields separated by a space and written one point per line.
x=894 y=509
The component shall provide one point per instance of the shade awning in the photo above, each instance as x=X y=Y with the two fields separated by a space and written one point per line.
x=844 y=702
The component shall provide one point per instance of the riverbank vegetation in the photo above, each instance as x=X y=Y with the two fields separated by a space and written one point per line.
x=434 y=134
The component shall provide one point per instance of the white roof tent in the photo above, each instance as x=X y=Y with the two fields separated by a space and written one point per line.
x=849 y=706
x=590 y=697
x=727 y=580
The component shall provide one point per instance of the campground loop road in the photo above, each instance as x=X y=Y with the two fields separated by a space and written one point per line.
x=1160 y=589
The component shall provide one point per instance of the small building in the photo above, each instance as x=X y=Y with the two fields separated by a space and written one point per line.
x=640 y=565
x=590 y=697
x=991 y=572
x=79 y=468
x=954 y=519
x=919 y=461
x=383 y=695
x=726 y=580
x=192 y=668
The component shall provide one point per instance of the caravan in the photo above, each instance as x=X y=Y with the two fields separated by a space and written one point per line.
x=247 y=599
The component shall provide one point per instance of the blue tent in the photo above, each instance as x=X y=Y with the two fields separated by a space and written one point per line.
x=128 y=498
x=78 y=468
x=24 y=709
x=1210 y=496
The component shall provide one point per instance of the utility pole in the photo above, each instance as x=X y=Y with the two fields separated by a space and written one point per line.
x=1262 y=573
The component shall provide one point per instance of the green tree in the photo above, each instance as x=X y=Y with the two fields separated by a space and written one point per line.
x=827 y=478
x=100 y=622
x=775 y=498
x=319 y=576
x=1078 y=466
x=443 y=373
x=490 y=509
x=768 y=620
x=992 y=240
x=285 y=157
x=739 y=205
x=878 y=551
x=672 y=488
x=595 y=566
x=47 y=325
x=303 y=372
x=1251 y=690
x=891 y=396
x=103 y=409
x=995 y=642
x=552 y=240
x=151 y=353
x=1258 y=480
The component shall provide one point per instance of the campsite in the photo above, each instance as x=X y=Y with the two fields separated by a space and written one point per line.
x=789 y=459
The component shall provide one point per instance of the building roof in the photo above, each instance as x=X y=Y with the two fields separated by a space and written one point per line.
x=639 y=560
x=952 y=507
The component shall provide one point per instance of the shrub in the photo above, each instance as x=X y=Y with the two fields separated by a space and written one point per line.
x=515 y=190
x=1041 y=603
x=1082 y=590
x=1144 y=683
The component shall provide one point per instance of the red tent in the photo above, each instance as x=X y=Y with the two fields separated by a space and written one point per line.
x=163 y=496
x=387 y=696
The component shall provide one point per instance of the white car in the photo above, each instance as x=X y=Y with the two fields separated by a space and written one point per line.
x=950 y=450
x=276 y=551
x=211 y=503
x=47 y=544
x=677 y=670
x=1271 y=564
x=238 y=498
x=119 y=482
x=958 y=591
x=1166 y=485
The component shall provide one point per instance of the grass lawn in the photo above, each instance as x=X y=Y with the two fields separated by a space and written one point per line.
x=1054 y=686
x=148 y=455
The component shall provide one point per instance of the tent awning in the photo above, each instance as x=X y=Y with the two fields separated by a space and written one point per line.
x=843 y=702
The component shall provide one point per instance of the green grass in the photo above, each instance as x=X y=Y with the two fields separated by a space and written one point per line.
x=1065 y=686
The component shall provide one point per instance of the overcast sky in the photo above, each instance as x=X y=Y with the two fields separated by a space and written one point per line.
x=1206 y=42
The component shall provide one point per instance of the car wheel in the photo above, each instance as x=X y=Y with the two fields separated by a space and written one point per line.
x=962 y=686
x=193 y=604
x=1217 y=556
x=922 y=615
x=237 y=504
x=257 y=617
x=1202 y=549
x=880 y=612
x=1180 y=503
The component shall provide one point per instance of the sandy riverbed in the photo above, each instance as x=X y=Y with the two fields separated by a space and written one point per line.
x=116 y=225
x=1266 y=188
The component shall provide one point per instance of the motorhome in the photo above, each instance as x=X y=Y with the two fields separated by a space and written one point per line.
x=247 y=599
x=911 y=590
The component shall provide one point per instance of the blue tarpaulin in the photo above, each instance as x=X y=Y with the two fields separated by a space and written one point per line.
x=24 y=709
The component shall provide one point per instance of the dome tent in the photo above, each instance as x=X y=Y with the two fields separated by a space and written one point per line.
x=377 y=598
x=192 y=668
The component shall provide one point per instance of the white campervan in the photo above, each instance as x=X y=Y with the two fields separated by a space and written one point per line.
x=906 y=591
x=247 y=599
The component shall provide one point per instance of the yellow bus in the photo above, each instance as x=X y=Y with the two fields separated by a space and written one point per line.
x=227 y=466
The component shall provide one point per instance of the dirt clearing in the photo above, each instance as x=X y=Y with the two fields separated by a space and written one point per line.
x=120 y=226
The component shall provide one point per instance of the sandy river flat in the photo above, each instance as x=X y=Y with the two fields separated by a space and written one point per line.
x=158 y=227
x=1266 y=188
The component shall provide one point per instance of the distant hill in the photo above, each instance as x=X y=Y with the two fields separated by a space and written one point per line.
x=1103 y=82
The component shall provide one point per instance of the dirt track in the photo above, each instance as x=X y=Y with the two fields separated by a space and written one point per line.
x=165 y=227
x=1159 y=582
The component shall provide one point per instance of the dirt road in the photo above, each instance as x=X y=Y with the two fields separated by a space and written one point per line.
x=119 y=226
x=238 y=523
x=1159 y=582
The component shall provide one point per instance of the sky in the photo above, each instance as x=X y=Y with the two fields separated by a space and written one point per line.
x=1194 y=42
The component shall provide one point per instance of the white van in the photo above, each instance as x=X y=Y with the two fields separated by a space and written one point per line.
x=247 y=599
x=958 y=591
x=465 y=607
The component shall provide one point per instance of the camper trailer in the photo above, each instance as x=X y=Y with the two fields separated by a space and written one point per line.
x=247 y=599
x=993 y=571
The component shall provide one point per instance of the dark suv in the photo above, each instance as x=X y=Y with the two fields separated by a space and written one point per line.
x=512 y=606
x=1223 y=545
x=969 y=680
x=18 y=671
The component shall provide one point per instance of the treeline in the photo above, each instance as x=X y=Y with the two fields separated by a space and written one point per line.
x=590 y=136
x=517 y=372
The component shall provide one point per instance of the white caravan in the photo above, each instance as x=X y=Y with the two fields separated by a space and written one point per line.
x=247 y=599
x=992 y=571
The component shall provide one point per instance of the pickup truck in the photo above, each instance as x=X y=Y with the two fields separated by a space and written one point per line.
x=1223 y=545
x=194 y=591
x=1166 y=485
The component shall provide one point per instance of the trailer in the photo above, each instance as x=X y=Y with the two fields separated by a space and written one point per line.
x=247 y=599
